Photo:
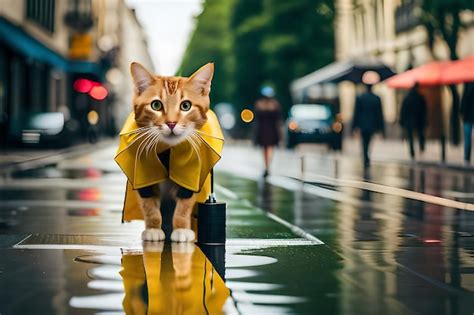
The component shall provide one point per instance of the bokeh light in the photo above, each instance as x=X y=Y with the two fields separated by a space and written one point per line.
x=293 y=125
x=98 y=93
x=247 y=115
x=93 y=117
x=82 y=85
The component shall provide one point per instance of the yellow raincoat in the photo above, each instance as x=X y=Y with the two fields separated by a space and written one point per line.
x=189 y=168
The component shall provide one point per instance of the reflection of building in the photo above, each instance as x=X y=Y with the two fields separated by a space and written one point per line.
x=46 y=45
x=391 y=31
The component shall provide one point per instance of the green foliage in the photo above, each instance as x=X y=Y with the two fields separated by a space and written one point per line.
x=257 y=42
x=248 y=29
x=442 y=18
x=298 y=40
x=211 y=42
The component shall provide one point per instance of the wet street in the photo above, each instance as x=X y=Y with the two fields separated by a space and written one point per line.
x=318 y=236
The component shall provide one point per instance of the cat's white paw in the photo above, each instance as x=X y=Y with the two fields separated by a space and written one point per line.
x=183 y=235
x=153 y=235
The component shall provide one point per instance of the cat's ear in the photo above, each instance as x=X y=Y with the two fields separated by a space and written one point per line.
x=201 y=79
x=142 y=78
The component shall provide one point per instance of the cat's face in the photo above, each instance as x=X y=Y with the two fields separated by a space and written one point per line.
x=171 y=107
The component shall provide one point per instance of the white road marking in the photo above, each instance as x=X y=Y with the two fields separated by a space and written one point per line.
x=293 y=228
x=400 y=192
x=458 y=194
x=230 y=243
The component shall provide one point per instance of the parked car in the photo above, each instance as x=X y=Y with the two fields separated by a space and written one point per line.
x=314 y=123
x=45 y=129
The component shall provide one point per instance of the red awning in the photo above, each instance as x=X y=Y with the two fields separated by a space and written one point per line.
x=460 y=71
x=427 y=75
x=435 y=73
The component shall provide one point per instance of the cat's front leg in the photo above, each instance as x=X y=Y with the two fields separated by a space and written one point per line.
x=152 y=216
x=182 y=220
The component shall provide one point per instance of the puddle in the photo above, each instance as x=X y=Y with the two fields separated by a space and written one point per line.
x=182 y=278
x=239 y=261
x=171 y=279
x=100 y=259
x=56 y=172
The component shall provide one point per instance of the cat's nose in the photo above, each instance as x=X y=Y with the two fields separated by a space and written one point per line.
x=171 y=125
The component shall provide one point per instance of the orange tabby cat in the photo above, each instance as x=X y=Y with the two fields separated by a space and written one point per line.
x=172 y=108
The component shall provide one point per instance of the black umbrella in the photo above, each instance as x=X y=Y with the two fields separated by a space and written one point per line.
x=353 y=70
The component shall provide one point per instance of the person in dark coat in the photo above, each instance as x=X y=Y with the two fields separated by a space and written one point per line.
x=268 y=124
x=368 y=119
x=467 y=112
x=413 y=118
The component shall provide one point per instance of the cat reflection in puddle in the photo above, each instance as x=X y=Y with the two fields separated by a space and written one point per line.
x=172 y=279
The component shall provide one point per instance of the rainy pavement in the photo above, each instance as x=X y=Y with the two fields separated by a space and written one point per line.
x=312 y=242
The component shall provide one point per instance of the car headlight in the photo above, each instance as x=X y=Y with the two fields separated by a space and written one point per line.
x=336 y=127
x=293 y=126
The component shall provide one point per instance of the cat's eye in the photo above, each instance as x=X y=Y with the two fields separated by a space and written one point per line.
x=185 y=106
x=156 y=105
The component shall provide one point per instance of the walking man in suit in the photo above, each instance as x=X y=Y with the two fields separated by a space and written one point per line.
x=367 y=119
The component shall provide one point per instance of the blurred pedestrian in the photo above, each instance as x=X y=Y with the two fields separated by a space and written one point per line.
x=367 y=119
x=467 y=112
x=413 y=118
x=268 y=124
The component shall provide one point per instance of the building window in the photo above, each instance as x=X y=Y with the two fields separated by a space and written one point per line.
x=79 y=15
x=42 y=13
x=407 y=16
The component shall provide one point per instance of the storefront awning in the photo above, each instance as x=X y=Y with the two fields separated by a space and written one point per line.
x=18 y=40
x=351 y=70
x=436 y=73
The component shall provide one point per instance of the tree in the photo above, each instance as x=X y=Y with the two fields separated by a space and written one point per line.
x=210 y=42
x=442 y=18
x=257 y=42
x=277 y=41
x=299 y=40
x=248 y=29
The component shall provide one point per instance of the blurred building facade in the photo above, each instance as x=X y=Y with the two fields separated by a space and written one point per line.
x=391 y=30
x=120 y=33
x=46 y=46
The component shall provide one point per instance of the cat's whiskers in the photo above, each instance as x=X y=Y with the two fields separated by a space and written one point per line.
x=155 y=145
x=153 y=141
x=138 y=130
x=143 y=143
x=149 y=142
x=194 y=145
x=199 y=133
x=198 y=138
x=137 y=138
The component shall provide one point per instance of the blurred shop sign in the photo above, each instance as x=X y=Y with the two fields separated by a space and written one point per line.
x=81 y=46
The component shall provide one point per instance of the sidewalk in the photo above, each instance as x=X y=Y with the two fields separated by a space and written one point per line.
x=24 y=158
x=383 y=151
x=398 y=151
